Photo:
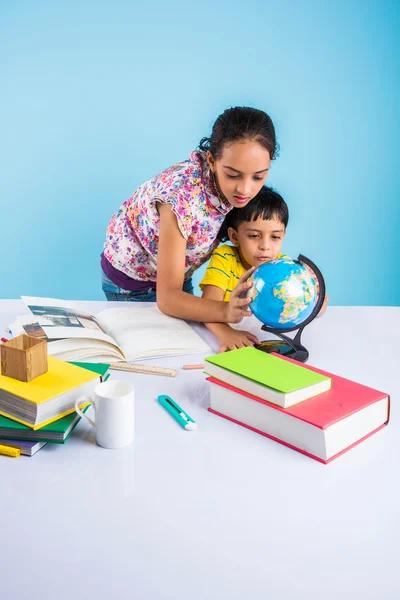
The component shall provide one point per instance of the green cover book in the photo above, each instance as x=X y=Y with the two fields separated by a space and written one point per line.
x=100 y=368
x=266 y=376
x=56 y=432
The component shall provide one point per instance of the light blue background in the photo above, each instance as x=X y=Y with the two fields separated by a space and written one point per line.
x=96 y=97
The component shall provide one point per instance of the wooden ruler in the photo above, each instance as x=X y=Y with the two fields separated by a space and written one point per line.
x=147 y=369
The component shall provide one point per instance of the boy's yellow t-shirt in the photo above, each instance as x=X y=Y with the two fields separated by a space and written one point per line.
x=225 y=269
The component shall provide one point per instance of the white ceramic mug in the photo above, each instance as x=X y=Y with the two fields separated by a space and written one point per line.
x=113 y=403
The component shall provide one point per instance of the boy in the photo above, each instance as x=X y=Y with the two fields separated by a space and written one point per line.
x=256 y=232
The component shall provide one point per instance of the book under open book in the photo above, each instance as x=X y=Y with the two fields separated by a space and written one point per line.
x=48 y=397
x=57 y=431
x=126 y=333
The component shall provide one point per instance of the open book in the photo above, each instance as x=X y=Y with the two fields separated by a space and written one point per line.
x=115 y=334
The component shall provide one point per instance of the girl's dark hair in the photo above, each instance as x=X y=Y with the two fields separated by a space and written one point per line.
x=268 y=204
x=241 y=123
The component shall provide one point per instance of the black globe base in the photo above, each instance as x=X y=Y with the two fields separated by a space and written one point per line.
x=285 y=346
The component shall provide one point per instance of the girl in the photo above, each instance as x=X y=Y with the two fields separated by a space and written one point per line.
x=257 y=233
x=169 y=226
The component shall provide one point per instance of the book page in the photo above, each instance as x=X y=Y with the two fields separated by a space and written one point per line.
x=143 y=332
x=71 y=348
x=61 y=319
x=85 y=350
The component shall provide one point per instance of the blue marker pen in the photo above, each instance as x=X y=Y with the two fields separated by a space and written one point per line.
x=178 y=413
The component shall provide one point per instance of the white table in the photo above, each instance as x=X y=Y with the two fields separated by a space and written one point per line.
x=220 y=513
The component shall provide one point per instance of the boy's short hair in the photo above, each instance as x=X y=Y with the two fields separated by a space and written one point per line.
x=268 y=204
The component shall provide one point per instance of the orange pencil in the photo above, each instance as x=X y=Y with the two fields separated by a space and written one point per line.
x=187 y=367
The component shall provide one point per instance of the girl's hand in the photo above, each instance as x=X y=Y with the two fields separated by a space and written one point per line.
x=238 y=305
x=233 y=339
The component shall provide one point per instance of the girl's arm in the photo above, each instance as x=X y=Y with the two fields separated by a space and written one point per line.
x=171 y=300
x=228 y=338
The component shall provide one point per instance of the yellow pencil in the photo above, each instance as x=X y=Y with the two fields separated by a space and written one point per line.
x=8 y=451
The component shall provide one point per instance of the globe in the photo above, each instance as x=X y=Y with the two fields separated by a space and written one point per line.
x=284 y=293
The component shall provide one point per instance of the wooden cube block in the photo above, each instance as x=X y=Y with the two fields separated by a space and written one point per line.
x=24 y=358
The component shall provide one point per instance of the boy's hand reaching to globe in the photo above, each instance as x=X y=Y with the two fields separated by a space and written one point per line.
x=232 y=339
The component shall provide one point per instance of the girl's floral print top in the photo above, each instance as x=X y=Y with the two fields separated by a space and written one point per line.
x=131 y=244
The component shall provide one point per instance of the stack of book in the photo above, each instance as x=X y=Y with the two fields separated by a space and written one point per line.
x=43 y=409
x=314 y=412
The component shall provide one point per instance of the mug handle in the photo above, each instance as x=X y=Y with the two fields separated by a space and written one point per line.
x=81 y=400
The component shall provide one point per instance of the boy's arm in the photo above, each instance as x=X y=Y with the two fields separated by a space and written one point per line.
x=228 y=338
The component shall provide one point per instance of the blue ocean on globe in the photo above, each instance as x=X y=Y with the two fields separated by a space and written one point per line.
x=284 y=293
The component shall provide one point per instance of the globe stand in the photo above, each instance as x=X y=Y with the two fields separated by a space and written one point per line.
x=285 y=345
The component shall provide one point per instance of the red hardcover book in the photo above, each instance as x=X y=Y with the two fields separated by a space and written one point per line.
x=323 y=427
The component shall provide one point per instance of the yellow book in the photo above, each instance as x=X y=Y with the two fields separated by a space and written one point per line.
x=47 y=397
